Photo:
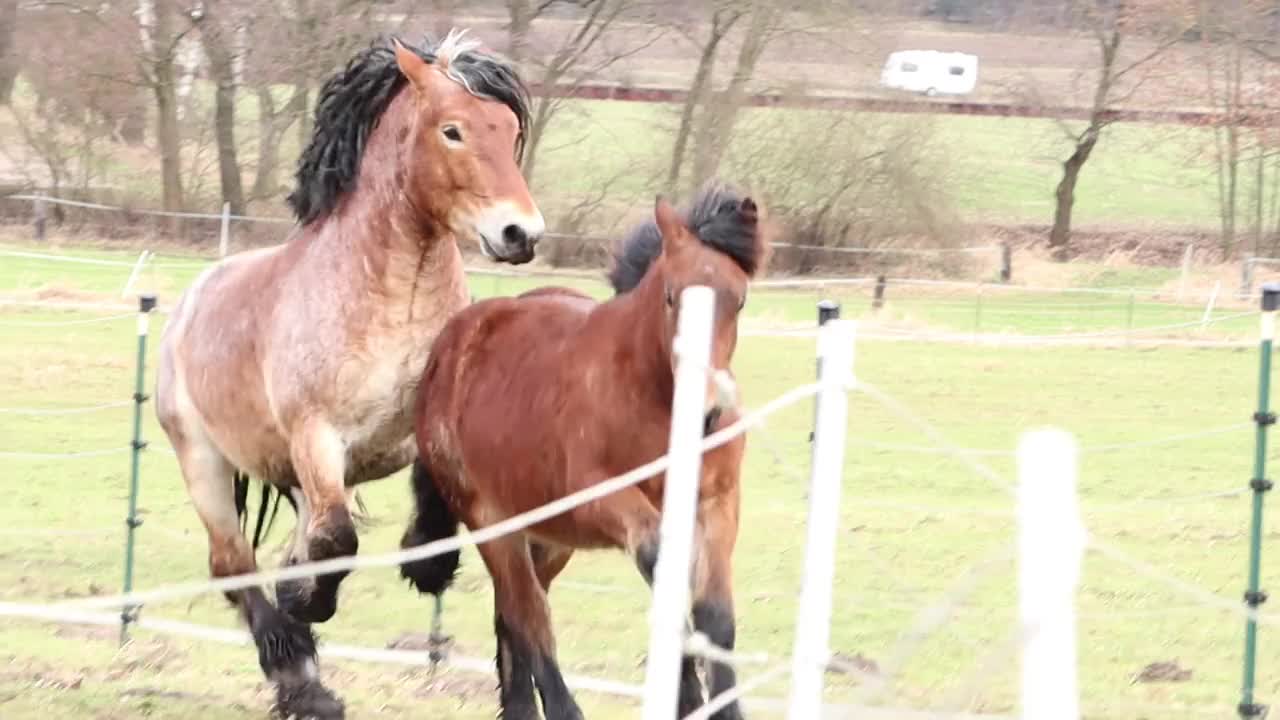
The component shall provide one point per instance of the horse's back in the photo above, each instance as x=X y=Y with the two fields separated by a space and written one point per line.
x=495 y=377
x=209 y=372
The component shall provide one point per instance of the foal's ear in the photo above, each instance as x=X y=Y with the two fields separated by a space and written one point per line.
x=411 y=65
x=669 y=225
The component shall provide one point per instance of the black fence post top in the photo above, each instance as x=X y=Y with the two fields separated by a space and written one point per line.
x=827 y=310
x=1270 y=296
x=146 y=303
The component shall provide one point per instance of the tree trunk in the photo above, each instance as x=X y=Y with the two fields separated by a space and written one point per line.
x=303 y=95
x=541 y=118
x=168 y=131
x=133 y=128
x=697 y=92
x=718 y=121
x=9 y=65
x=1065 y=195
x=272 y=126
x=216 y=36
x=520 y=15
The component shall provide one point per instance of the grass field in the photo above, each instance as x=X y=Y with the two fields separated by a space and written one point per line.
x=918 y=528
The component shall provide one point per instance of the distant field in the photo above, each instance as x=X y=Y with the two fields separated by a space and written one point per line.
x=997 y=169
x=1001 y=170
x=918 y=528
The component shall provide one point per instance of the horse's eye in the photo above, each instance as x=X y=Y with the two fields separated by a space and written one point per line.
x=671 y=298
x=452 y=133
x=743 y=302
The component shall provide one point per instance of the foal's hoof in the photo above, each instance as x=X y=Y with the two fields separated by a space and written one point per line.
x=309 y=601
x=309 y=701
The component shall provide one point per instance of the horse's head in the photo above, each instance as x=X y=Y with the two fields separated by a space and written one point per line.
x=720 y=246
x=465 y=145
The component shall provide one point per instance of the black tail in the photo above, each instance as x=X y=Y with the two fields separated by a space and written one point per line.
x=432 y=520
x=265 y=521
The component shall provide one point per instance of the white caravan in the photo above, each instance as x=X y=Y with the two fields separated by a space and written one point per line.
x=930 y=72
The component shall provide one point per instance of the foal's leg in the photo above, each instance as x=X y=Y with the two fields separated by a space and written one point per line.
x=548 y=562
x=713 y=589
x=286 y=647
x=319 y=462
x=628 y=520
x=526 y=646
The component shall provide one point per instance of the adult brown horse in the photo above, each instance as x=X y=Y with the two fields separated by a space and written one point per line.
x=528 y=399
x=299 y=364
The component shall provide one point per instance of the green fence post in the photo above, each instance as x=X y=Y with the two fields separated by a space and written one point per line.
x=1259 y=483
x=146 y=303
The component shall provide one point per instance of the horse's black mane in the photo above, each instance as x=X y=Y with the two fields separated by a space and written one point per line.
x=715 y=217
x=351 y=102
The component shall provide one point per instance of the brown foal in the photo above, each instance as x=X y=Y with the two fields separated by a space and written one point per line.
x=528 y=399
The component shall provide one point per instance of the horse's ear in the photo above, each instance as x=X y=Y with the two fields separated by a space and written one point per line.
x=413 y=66
x=669 y=225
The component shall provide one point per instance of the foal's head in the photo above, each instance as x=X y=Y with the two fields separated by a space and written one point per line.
x=718 y=243
x=457 y=149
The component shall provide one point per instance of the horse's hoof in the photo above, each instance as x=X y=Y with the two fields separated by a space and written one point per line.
x=314 y=604
x=282 y=641
x=309 y=701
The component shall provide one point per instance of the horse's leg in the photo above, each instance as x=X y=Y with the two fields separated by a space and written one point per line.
x=319 y=462
x=628 y=520
x=713 y=590
x=432 y=520
x=526 y=646
x=548 y=562
x=286 y=647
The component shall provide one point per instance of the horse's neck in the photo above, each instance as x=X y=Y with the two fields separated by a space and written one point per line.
x=636 y=321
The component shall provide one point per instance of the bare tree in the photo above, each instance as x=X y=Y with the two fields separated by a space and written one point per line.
x=718 y=120
x=1109 y=22
x=579 y=51
x=724 y=16
x=1236 y=39
x=219 y=23
x=883 y=183
x=8 y=56
x=162 y=26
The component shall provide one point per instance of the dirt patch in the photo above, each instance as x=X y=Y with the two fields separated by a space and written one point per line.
x=1167 y=671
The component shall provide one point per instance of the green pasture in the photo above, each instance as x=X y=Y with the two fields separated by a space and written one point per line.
x=920 y=529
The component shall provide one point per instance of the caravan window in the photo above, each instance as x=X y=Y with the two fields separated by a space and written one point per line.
x=909 y=67
x=957 y=70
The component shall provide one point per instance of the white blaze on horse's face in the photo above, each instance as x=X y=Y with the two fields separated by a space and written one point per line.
x=468 y=174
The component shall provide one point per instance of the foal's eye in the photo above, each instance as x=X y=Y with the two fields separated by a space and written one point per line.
x=452 y=133
x=671 y=298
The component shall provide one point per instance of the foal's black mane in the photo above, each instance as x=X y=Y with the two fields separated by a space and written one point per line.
x=715 y=217
x=353 y=99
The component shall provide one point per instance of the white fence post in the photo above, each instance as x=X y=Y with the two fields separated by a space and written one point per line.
x=143 y=257
x=1051 y=540
x=813 y=621
x=1208 y=308
x=1186 y=271
x=224 y=232
x=670 y=609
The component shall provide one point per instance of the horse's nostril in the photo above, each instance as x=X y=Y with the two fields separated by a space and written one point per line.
x=515 y=235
